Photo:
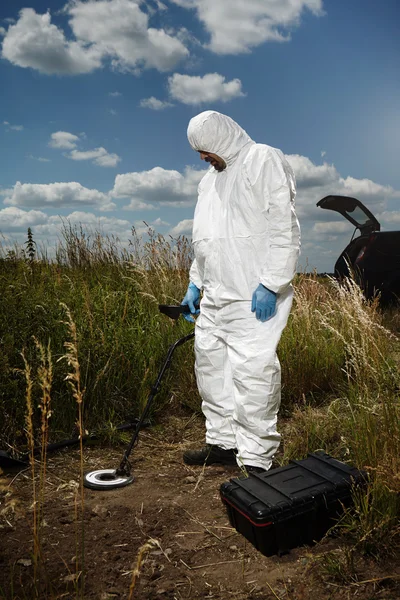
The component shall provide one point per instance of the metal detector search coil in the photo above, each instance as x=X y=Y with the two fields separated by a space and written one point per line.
x=104 y=479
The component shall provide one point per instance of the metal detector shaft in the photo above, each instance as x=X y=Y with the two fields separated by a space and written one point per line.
x=124 y=468
x=8 y=461
x=76 y=441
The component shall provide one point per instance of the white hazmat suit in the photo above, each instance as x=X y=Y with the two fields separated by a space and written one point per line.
x=245 y=232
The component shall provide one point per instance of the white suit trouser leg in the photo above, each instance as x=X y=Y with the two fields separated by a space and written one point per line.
x=239 y=378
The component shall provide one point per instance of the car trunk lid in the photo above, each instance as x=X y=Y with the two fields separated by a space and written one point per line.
x=353 y=210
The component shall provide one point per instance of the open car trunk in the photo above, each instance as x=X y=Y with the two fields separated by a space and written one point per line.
x=353 y=210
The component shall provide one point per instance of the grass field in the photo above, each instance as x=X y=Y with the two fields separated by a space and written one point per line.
x=81 y=342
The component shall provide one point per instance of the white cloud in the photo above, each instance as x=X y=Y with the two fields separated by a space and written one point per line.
x=113 y=112
x=6 y=191
x=111 y=224
x=236 y=26
x=159 y=223
x=63 y=140
x=136 y=204
x=388 y=218
x=158 y=186
x=120 y=30
x=154 y=103
x=365 y=188
x=99 y=156
x=34 y=42
x=160 y=6
x=332 y=227
x=13 y=127
x=183 y=227
x=116 y=31
x=323 y=153
x=115 y=94
x=309 y=175
x=208 y=88
x=13 y=218
x=69 y=141
x=40 y=195
x=39 y=158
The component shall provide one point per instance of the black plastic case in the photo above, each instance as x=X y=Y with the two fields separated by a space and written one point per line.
x=293 y=505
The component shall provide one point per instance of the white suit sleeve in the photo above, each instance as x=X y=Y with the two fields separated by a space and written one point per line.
x=194 y=275
x=273 y=184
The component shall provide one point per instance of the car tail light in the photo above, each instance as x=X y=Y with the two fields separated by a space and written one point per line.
x=361 y=254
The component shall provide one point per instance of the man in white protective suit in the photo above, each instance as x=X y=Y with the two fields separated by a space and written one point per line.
x=246 y=240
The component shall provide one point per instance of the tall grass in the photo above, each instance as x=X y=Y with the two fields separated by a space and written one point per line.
x=339 y=358
x=39 y=586
x=357 y=419
x=38 y=468
x=333 y=338
x=113 y=297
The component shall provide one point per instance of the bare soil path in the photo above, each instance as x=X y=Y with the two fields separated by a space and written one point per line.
x=171 y=518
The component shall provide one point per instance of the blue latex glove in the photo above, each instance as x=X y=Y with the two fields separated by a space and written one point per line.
x=192 y=299
x=263 y=303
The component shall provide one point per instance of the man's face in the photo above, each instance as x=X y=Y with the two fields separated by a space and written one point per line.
x=214 y=160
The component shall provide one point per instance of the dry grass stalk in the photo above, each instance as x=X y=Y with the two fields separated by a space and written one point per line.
x=143 y=551
x=31 y=446
x=74 y=379
x=45 y=377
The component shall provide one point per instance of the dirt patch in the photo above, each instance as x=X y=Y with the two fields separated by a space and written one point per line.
x=170 y=521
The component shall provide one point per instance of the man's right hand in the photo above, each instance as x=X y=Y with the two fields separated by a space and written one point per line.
x=192 y=300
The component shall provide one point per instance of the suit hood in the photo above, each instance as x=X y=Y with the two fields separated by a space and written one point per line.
x=214 y=132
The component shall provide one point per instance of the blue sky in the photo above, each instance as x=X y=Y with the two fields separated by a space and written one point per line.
x=96 y=97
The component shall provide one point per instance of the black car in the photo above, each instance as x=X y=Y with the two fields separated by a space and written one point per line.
x=374 y=256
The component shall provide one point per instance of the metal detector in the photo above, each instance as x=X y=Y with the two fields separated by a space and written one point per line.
x=109 y=479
